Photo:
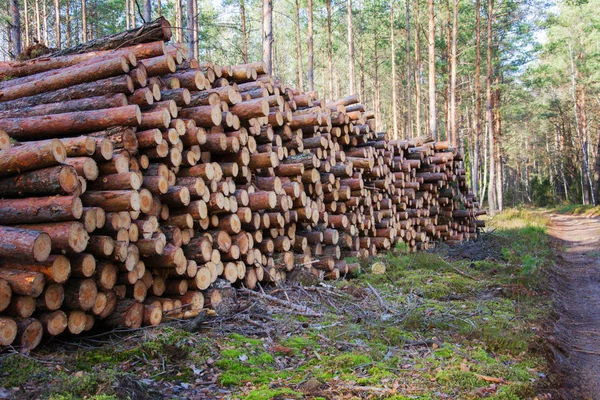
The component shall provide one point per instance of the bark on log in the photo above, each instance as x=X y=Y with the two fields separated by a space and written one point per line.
x=48 y=126
x=24 y=244
x=32 y=156
x=159 y=29
x=40 y=209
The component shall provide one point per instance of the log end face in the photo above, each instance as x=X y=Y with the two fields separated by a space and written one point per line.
x=8 y=331
x=42 y=246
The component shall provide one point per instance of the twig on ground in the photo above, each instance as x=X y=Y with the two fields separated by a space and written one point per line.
x=381 y=302
x=306 y=311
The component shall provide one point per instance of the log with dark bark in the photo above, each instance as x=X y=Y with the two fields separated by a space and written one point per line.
x=159 y=29
x=24 y=244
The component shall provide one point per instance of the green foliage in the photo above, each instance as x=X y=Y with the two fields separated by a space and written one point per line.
x=541 y=191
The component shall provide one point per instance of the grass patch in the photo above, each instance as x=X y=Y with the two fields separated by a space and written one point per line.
x=579 y=209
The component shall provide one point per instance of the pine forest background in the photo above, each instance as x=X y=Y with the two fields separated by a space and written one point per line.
x=514 y=83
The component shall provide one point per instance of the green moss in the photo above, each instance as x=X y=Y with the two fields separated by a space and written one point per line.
x=264 y=393
x=16 y=370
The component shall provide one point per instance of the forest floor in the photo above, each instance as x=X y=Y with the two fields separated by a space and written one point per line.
x=466 y=322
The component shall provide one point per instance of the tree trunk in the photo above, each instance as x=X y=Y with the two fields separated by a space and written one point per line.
x=311 y=72
x=15 y=28
x=299 y=80
x=418 y=72
x=159 y=7
x=394 y=88
x=190 y=27
x=431 y=44
x=489 y=114
x=57 y=39
x=351 y=77
x=179 y=23
x=267 y=35
x=83 y=21
x=147 y=11
x=329 y=51
x=26 y=20
x=453 y=60
x=245 y=32
x=45 y=19
x=409 y=122
x=477 y=106
x=38 y=24
x=68 y=18
x=196 y=28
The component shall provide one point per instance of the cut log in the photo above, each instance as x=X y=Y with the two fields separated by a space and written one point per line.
x=128 y=313
x=51 y=298
x=29 y=334
x=157 y=30
x=32 y=156
x=66 y=236
x=49 y=126
x=80 y=294
x=56 y=269
x=46 y=181
x=40 y=209
x=8 y=331
x=24 y=244
x=54 y=323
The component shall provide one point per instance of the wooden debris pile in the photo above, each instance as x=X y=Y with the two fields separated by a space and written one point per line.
x=137 y=186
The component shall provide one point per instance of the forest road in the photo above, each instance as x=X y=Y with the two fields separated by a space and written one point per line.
x=575 y=284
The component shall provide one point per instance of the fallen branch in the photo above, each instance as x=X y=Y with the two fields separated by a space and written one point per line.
x=306 y=311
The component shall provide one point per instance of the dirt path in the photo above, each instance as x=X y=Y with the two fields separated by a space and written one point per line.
x=576 y=288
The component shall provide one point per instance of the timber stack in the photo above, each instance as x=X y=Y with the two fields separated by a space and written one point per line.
x=137 y=186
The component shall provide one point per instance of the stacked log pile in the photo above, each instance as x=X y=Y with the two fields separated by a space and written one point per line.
x=137 y=186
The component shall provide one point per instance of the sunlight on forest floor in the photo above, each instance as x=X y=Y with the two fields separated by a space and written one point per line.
x=461 y=322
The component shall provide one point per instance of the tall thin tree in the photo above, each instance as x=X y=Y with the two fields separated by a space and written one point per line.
x=489 y=111
x=409 y=122
x=244 y=31
x=418 y=71
x=351 y=77
x=267 y=34
x=477 y=107
x=15 y=28
x=57 y=24
x=329 y=50
x=311 y=64
x=394 y=88
x=453 y=62
x=299 y=74
x=84 y=34
x=146 y=10
x=189 y=27
x=431 y=44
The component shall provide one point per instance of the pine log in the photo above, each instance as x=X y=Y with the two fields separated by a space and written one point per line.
x=32 y=156
x=29 y=334
x=48 y=126
x=56 y=269
x=8 y=331
x=54 y=323
x=128 y=313
x=66 y=236
x=89 y=73
x=157 y=30
x=40 y=209
x=117 y=84
x=80 y=294
x=46 y=181
x=24 y=244
x=91 y=103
